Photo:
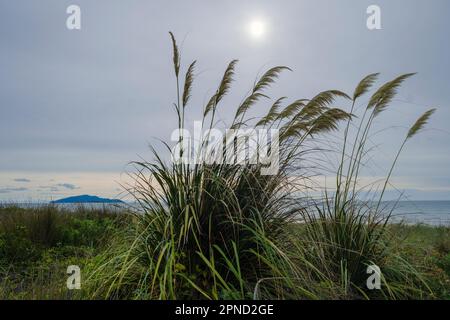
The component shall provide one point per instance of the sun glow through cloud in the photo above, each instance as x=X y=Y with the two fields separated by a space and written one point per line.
x=257 y=29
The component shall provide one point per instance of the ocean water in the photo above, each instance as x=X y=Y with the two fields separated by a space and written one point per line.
x=436 y=213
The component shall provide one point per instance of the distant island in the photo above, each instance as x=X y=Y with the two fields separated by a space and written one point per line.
x=86 y=199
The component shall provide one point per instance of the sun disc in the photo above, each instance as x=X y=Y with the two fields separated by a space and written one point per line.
x=257 y=29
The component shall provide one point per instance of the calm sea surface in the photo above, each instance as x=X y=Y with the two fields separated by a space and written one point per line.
x=427 y=212
x=411 y=212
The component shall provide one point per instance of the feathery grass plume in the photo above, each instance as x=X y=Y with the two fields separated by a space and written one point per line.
x=309 y=112
x=325 y=98
x=381 y=99
x=263 y=83
x=294 y=129
x=272 y=114
x=176 y=55
x=308 y=119
x=226 y=81
x=268 y=78
x=377 y=103
x=328 y=121
x=420 y=123
x=365 y=85
x=248 y=102
x=210 y=105
x=188 y=83
x=224 y=86
x=312 y=109
x=292 y=109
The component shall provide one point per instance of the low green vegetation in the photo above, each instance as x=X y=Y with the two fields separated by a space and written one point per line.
x=37 y=246
x=428 y=249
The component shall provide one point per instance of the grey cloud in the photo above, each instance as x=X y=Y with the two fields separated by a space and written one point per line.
x=22 y=180
x=9 y=190
x=57 y=187
x=68 y=186
x=49 y=188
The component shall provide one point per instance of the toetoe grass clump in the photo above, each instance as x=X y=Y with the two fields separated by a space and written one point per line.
x=227 y=231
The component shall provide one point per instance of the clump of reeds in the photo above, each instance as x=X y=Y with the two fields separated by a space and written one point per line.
x=214 y=230
x=347 y=234
x=218 y=231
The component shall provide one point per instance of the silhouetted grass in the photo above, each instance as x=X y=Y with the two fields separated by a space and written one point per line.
x=218 y=231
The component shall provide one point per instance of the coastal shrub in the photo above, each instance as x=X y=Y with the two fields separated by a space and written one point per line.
x=25 y=233
x=34 y=258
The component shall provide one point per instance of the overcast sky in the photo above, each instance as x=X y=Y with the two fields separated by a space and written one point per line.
x=77 y=105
